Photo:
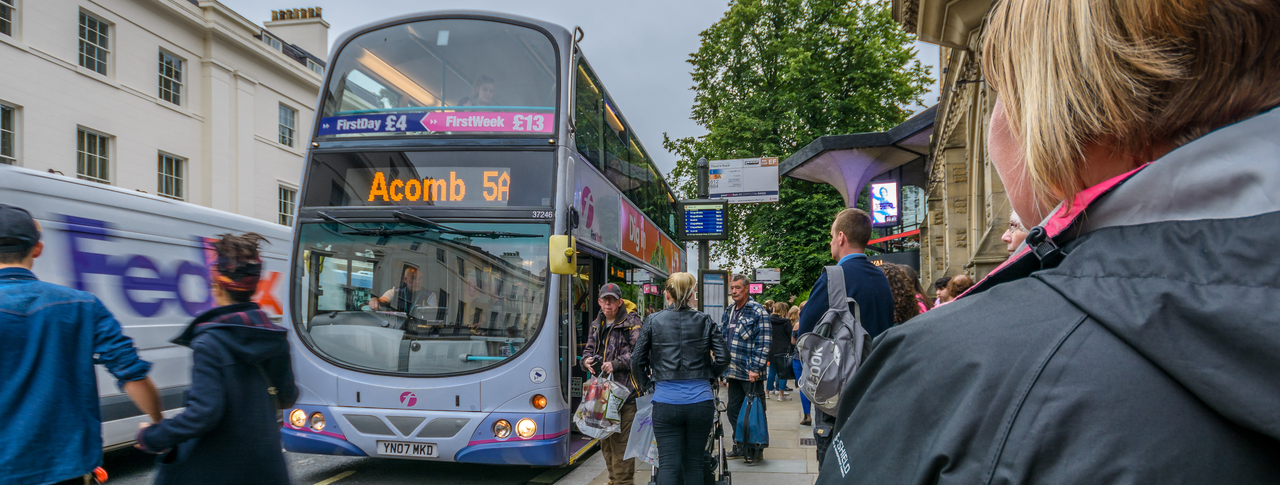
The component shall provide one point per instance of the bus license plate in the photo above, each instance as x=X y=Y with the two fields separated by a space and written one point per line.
x=400 y=448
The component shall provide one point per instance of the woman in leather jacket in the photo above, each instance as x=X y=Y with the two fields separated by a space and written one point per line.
x=680 y=350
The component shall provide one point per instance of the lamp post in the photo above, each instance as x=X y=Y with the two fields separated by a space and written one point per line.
x=703 y=245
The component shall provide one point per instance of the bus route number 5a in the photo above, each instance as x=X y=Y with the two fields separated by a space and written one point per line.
x=499 y=189
x=527 y=123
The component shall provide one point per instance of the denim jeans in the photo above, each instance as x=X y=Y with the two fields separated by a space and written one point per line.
x=681 y=431
x=804 y=400
x=772 y=382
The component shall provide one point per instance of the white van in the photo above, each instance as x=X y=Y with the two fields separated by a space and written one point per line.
x=147 y=258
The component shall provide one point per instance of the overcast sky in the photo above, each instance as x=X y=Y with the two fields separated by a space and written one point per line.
x=638 y=49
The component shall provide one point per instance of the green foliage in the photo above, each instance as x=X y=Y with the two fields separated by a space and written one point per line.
x=772 y=76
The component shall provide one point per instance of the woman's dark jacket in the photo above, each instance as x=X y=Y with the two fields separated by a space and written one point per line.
x=1144 y=349
x=228 y=432
x=676 y=345
x=780 y=344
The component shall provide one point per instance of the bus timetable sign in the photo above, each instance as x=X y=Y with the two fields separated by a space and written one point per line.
x=702 y=219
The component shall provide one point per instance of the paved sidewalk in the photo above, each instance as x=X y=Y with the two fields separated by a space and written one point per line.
x=785 y=460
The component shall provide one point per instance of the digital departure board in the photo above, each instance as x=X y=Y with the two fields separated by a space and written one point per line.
x=703 y=219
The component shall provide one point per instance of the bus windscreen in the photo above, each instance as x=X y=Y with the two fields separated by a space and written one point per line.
x=483 y=179
x=445 y=76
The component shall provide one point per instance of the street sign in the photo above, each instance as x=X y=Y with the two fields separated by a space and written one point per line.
x=715 y=292
x=770 y=276
x=756 y=288
x=702 y=219
x=744 y=180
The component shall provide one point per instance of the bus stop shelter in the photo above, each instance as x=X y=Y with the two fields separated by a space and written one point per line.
x=850 y=162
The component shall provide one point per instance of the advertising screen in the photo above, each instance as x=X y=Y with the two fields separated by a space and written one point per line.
x=884 y=204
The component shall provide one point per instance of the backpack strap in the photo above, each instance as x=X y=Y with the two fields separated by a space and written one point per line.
x=837 y=298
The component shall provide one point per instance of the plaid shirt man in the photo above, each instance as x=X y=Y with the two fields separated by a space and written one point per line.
x=748 y=338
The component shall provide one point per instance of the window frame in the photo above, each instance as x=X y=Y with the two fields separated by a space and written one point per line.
x=82 y=135
x=283 y=218
x=315 y=67
x=177 y=82
x=14 y=117
x=178 y=181
x=272 y=41
x=292 y=133
x=12 y=19
x=105 y=33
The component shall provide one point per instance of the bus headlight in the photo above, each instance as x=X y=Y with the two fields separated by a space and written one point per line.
x=502 y=429
x=298 y=418
x=317 y=421
x=539 y=401
x=526 y=428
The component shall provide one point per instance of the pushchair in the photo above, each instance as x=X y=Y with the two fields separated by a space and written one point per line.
x=716 y=471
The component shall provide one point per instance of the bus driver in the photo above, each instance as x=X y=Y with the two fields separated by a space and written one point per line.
x=403 y=298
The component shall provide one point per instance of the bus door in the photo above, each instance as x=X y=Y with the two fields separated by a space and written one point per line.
x=584 y=308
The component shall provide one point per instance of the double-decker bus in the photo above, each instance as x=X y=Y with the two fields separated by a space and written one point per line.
x=470 y=185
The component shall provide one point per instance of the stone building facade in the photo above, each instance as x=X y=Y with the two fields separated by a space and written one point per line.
x=968 y=209
x=180 y=98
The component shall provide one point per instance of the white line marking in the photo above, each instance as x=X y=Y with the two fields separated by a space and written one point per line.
x=337 y=477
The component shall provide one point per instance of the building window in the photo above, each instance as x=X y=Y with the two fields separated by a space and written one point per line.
x=443 y=312
x=461 y=310
x=313 y=65
x=288 y=200
x=170 y=78
x=288 y=125
x=93 y=159
x=8 y=134
x=439 y=255
x=94 y=44
x=170 y=176
x=461 y=269
x=273 y=42
x=7 y=13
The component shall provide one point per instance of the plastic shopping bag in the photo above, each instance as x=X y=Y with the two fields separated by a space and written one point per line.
x=752 y=428
x=642 y=444
x=616 y=399
x=591 y=416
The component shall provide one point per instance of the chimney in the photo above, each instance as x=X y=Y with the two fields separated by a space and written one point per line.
x=302 y=27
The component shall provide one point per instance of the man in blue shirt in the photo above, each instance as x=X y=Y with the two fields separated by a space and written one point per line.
x=863 y=282
x=53 y=337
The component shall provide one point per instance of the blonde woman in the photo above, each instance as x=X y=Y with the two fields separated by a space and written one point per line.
x=1137 y=341
x=683 y=352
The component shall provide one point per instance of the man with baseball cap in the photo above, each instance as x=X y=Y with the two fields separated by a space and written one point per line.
x=618 y=326
x=53 y=337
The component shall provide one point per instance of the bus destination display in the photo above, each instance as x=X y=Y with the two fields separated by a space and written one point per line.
x=441 y=186
x=703 y=219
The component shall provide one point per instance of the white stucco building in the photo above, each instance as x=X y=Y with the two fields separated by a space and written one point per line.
x=181 y=98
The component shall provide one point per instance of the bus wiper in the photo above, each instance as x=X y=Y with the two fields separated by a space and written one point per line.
x=335 y=220
x=412 y=219
x=380 y=232
x=443 y=229
x=492 y=234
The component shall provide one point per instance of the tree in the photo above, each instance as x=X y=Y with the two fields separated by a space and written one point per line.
x=770 y=77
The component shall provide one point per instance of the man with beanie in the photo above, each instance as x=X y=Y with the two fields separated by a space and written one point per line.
x=610 y=339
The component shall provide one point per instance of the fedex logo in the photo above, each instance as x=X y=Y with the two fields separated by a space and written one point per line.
x=148 y=285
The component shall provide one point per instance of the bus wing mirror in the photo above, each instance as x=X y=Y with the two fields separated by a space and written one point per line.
x=563 y=257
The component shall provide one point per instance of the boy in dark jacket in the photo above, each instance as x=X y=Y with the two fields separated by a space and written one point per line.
x=240 y=378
